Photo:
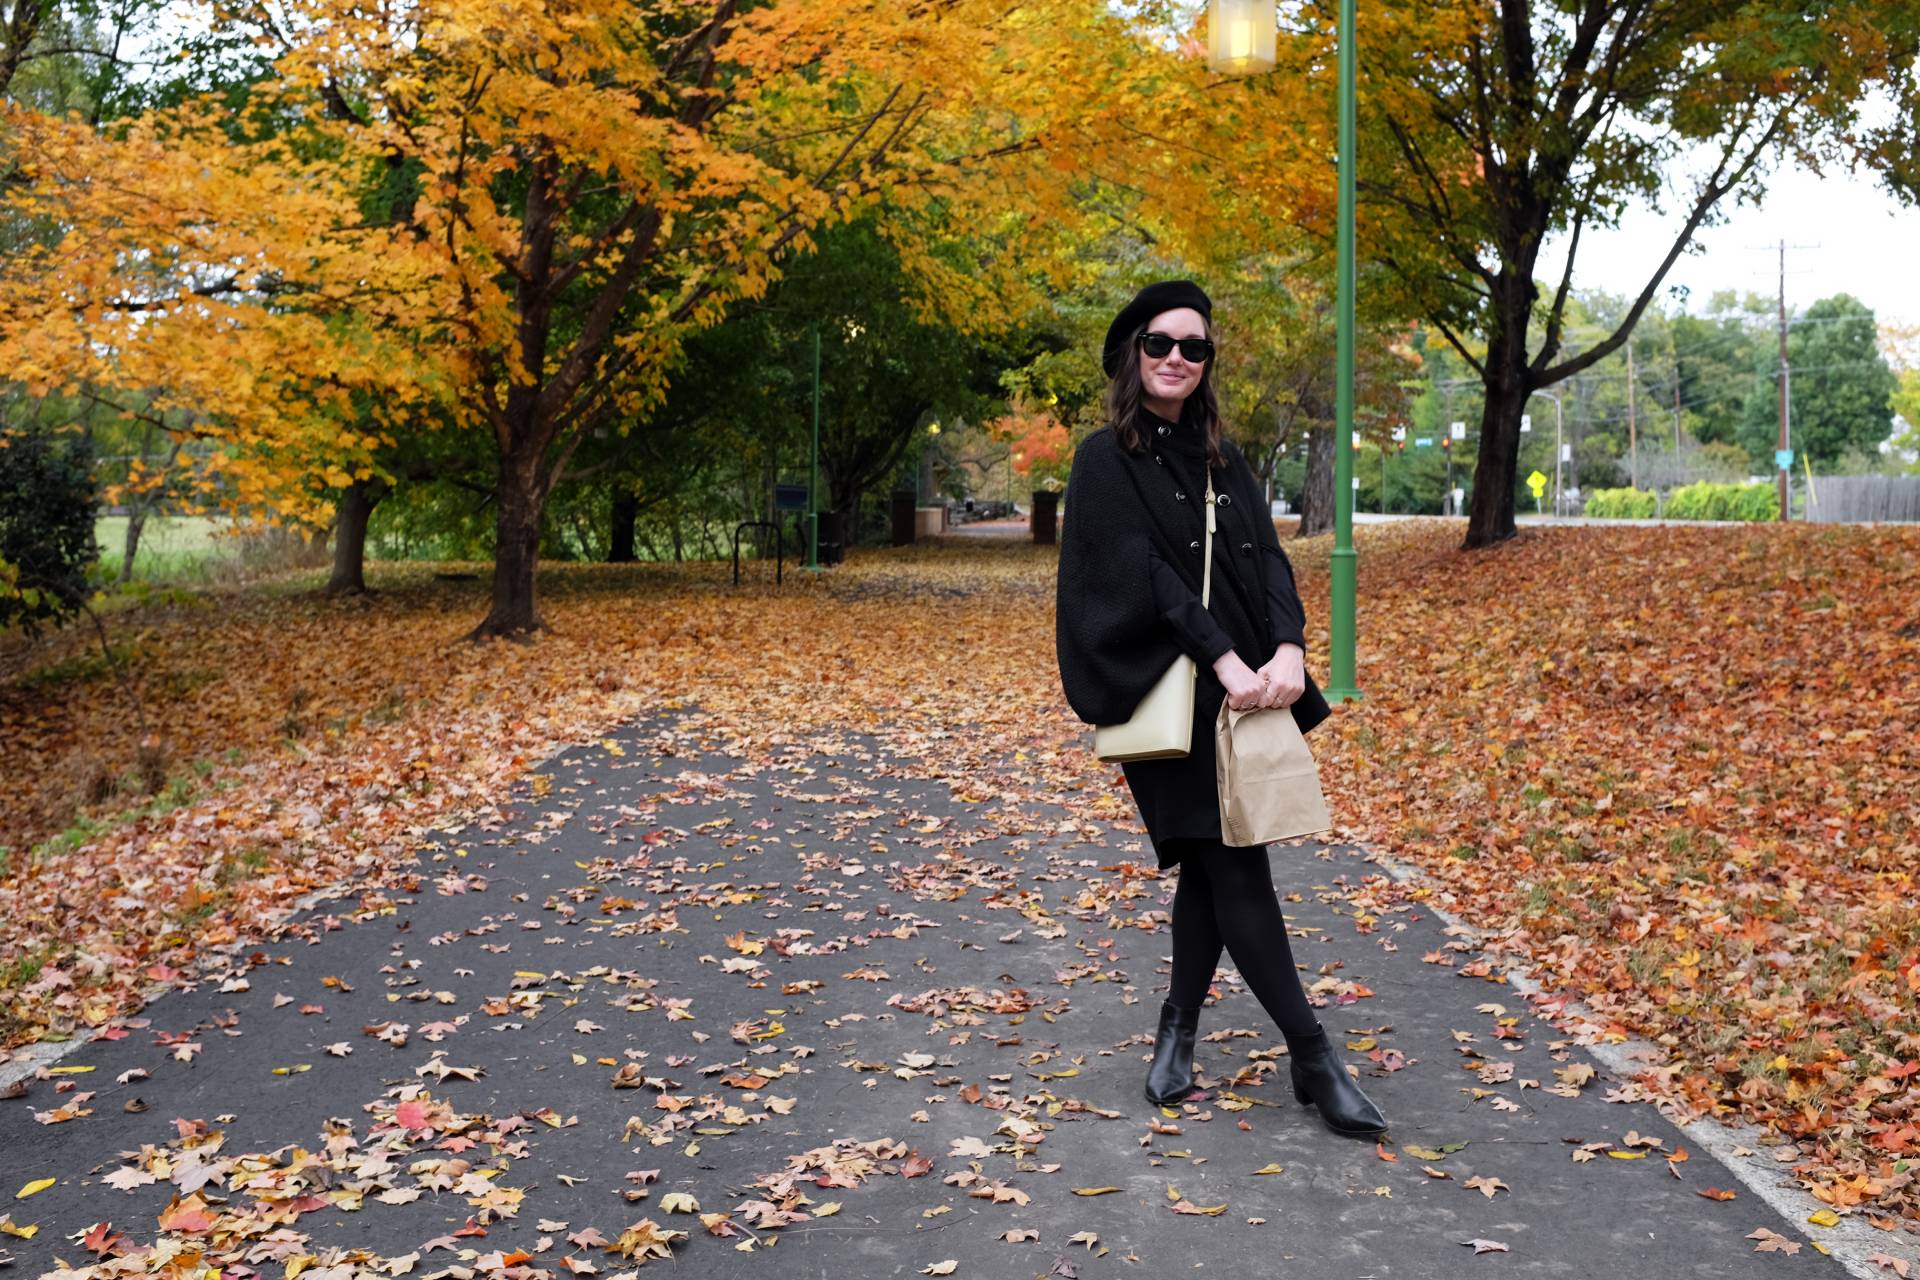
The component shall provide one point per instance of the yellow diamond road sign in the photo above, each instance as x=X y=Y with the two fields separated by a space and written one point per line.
x=1536 y=482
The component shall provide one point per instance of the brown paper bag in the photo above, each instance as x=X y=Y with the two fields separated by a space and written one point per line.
x=1269 y=784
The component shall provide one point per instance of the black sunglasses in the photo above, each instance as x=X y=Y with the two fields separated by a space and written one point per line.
x=1192 y=350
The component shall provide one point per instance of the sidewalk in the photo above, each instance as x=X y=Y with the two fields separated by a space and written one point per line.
x=825 y=987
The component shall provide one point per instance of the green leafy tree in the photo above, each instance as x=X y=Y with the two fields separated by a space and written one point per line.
x=886 y=365
x=1840 y=389
x=1906 y=404
x=1489 y=129
x=1717 y=352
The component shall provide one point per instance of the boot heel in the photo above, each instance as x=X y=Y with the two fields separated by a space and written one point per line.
x=1300 y=1096
x=1319 y=1077
x=1170 y=1077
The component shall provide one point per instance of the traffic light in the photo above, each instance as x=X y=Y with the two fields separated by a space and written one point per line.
x=1446 y=442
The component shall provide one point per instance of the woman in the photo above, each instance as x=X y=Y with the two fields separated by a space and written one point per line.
x=1128 y=602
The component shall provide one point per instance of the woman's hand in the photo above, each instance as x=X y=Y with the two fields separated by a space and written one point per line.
x=1239 y=680
x=1285 y=675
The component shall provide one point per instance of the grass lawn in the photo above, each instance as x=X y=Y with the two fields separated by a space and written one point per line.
x=171 y=547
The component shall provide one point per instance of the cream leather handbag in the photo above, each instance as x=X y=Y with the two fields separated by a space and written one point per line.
x=1161 y=727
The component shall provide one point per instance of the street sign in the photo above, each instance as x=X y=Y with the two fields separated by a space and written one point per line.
x=1526 y=422
x=1566 y=453
x=1536 y=482
x=1423 y=442
x=1783 y=458
x=1399 y=433
x=1459 y=430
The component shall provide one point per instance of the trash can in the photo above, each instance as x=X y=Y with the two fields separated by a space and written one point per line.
x=1045 y=520
x=833 y=537
x=904 y=516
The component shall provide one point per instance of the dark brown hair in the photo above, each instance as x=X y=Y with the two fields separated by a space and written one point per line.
x=1126 y=402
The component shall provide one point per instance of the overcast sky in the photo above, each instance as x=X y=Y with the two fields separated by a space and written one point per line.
x=1861 y=241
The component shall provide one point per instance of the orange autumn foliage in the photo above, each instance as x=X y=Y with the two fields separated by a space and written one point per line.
x=1037 y=441
x=510 y=218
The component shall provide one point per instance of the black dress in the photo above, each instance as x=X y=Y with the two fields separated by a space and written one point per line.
x=1179 y=798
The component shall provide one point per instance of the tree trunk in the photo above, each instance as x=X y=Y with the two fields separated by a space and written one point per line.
x=520 y=504
x=626 y=509
x=1316 y=496
x=1490 y=516
x=136 y=522
x=350 y=537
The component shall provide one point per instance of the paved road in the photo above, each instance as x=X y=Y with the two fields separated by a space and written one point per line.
x=1019 y=528
x=827 y=984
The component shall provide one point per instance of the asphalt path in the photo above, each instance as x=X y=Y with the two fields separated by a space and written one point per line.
x=827 y=1005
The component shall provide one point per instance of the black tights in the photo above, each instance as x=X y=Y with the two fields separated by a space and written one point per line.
x=1225 y=897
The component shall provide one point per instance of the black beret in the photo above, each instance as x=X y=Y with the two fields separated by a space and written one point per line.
x=1162 y=295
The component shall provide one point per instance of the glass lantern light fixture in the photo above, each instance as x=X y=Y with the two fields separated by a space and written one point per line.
x=1240 y=36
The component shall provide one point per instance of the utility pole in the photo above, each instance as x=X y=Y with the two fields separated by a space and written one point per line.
x=1559 y=445
x=1633 y=430
x=1781 y=457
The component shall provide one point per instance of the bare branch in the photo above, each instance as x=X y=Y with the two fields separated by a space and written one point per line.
x=1718 y=184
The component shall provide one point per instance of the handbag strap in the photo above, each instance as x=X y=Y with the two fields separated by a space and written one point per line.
x=1206 y=577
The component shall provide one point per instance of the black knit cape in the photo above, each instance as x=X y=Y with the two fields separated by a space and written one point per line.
x=1111 y=641
x=1109 y=638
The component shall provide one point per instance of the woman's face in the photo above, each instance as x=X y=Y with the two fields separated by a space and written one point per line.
x=1172 y=376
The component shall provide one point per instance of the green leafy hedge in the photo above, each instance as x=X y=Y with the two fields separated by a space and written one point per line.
x=1622 y=504
x=1724 y=502
x=1689 y=502
x=47 y=507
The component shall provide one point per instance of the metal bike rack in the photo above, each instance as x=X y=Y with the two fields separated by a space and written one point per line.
x=779 y=546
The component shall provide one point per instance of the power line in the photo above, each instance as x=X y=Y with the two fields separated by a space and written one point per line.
x=1674 y=350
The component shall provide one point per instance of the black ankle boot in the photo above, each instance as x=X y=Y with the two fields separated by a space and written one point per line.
x=1320 y=1078
x=1170 y=1078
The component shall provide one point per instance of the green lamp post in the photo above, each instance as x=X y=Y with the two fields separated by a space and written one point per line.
x=1240 y=41
x=813 y=469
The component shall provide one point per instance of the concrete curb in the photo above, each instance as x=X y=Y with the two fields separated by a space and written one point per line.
x=29 y=1059
x=1849 y=1242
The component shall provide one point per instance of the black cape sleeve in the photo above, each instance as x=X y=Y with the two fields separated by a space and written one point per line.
x=1110 y=638
x=1194 y=629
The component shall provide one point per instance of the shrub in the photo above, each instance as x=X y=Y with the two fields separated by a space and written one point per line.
x=1723 y=502
x=47 y=509
x=1622 y=504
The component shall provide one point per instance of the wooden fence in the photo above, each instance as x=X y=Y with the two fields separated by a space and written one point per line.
x=1854 y=498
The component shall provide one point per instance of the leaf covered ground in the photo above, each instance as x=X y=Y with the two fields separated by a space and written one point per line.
x=1671 y=768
